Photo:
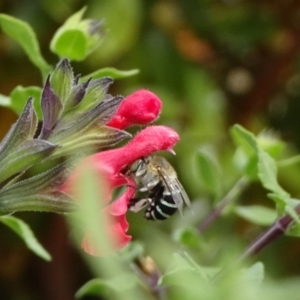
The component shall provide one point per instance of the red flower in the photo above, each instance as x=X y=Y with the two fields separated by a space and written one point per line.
x=140 y=108
x=109 y=164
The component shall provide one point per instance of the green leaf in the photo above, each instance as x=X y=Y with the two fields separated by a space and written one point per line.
x=99 y=115
x=71 y=44
x=46 y=182
x=246 y=165
x=266 y=165
x=254 y=274
x=246 y=155
x=62 y=80
x=85 y=141
x=100 y=287
x=110 y=72
x=48 y=202
x=96 y=287
x=24 y=231
x=24 y=156
x=94 y=93
x=267 y=172
x=244 y=139
x=185 y=272
x=257 y=214
x=69 y=41
x=20 y=95
x=270 y=142
x=293 y=230
x=77 y=38
x=188 y=236
x=39 y=193
x=209 y=174
x=23 y=34
x=21 y=131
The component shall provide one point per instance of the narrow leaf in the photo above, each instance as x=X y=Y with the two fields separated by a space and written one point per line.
x=24 y=231
x=62 y=80
x=24 y=156
x=48 y=181
x=111 y=72
x=20 y=131
x=103 y=138
x=75 y=97
x=267 y=172
x=57 y=202
x=95 y=92
x=101 y=114
x=257 y=214
x=51 y=108
x=119 y=284
x=96 y=287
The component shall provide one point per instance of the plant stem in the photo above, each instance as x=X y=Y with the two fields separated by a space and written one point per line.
x=269 y=235
x=229 y=198
x=151 y=281
x=264 y=239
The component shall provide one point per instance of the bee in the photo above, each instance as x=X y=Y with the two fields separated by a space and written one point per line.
x=165 y=194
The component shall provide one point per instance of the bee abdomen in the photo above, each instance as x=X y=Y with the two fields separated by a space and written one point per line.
x=161 y=209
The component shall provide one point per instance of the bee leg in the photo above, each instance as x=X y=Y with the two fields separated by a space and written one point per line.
x=137 y=204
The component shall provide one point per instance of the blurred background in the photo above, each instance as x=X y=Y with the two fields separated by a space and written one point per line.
x=213 y=64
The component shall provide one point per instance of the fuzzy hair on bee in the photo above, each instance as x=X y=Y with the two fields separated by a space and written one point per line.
x=165 y=195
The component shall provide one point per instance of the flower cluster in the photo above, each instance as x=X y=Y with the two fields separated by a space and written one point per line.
x=79 y=117
x=141 y=107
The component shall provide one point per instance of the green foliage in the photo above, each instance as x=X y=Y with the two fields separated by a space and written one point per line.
x=257 y=214
x=22 y=33
x=209 y=174
x=186 y=262
x=20 y=95
x=99 y=287
x=25 y=233
x=262 y=164
x=188 y=237
x=110 y=72
x=76 y=38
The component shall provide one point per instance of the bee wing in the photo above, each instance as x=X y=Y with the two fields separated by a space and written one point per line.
x=177 y=191
x=184 y=195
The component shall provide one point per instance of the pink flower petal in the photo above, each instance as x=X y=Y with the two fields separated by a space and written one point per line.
x=140 y=108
